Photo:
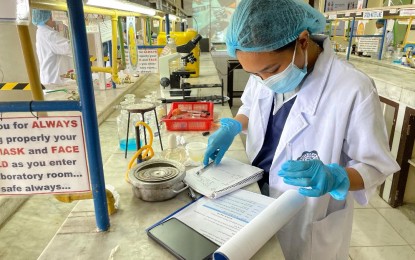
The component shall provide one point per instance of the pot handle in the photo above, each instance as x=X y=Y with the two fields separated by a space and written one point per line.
x=182 y=189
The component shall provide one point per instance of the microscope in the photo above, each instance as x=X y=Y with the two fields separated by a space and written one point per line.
x=174 y=81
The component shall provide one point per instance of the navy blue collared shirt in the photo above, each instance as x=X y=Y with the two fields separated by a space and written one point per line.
x=272 y=137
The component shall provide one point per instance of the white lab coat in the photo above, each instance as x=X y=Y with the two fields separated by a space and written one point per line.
x=387 y=42
x=53 y=52
x=336 y=113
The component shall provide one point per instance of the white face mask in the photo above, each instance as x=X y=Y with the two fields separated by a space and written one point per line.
x=287 y=80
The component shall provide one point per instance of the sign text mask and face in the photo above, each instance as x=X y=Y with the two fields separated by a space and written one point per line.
x=45 y=155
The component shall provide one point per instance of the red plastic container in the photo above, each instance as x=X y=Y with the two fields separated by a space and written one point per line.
x=188 y=121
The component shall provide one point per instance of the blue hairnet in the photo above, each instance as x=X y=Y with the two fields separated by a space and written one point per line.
x=381 y=21
x=267 y=25
x=40 y=17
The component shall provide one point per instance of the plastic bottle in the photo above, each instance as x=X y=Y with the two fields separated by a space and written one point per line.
x=171 y=48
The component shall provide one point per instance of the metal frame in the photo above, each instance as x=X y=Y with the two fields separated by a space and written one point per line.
x=89 y=112
x=86 y=106
x=395 y=105
x=60 y=6
x=351 y=36
x=406 y=146
x=354 y=15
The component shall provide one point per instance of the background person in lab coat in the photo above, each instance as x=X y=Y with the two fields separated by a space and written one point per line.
x=53 y=51
x=388 y=42
x=313 y=123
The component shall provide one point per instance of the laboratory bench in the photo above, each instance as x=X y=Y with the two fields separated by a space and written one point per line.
x=127 y=238
x=78 y=234
x=394 y=82
x=106 y=100
x=208 y=86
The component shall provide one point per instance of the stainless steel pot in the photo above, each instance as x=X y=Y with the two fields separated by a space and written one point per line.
x=157 y=179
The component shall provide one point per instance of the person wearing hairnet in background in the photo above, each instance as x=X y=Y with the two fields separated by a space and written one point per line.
x=53 y=51
x=313 y=123
x=388 y=42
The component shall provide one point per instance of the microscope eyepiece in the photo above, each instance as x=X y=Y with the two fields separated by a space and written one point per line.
x=197 y=39
x=188 y=47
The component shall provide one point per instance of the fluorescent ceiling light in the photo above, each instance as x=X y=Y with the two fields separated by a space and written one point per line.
x=122 y=5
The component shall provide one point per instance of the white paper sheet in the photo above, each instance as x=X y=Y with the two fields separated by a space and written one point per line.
x=262 y=227
x=222 y=218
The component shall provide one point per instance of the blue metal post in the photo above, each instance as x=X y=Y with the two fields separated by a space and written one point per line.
x=382 y=41
x=38 y=106
x=350 y=39
x=86 y=92
x=167 y=27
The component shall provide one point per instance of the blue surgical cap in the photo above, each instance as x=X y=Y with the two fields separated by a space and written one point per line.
x=381 y=21
x=40 y=17
x=267 y=25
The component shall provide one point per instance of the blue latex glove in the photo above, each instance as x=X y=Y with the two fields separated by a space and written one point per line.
x=220 y=141
x=317 y=177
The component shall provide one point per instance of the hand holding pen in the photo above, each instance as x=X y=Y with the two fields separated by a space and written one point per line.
x=205 y=168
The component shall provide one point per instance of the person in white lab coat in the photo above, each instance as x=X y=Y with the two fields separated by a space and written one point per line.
x=388 y=41
x=53 y=51
x=313 y=123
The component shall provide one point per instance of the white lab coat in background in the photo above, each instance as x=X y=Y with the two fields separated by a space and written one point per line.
x=337 y=113
x=388 y=41
x=54 y=54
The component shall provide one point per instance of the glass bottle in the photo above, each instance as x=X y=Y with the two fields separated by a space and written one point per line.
x=122 y=125
x=171 y=48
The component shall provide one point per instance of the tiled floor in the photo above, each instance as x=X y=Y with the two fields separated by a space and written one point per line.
x=379 y=231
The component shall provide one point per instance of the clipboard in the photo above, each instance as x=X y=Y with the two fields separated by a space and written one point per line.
x=171 y=234
x=181 y=240
x=205 y=221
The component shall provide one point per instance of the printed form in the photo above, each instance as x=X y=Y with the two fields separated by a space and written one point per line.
x=222 y=218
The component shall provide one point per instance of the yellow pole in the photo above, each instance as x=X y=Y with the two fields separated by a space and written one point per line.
x=161 y=29
x=345 y=30
x=114 y=24
x=407 y=32
x=336 y=24
x=61 y=6
x=101 y=69
x=29 y=58
x=144 y=26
